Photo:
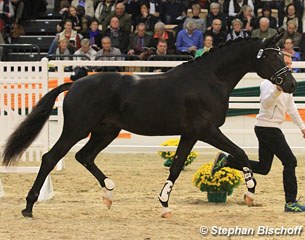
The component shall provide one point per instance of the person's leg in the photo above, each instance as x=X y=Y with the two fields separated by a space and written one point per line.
x=284 y=153
x=272 y=141
x=265 y=154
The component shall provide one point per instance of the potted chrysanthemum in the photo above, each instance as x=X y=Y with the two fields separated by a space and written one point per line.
x=168 y=156
x=218 y=186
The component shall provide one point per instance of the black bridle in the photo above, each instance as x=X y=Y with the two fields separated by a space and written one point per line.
x=276 y=78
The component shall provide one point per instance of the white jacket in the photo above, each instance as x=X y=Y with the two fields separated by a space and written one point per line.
x=273 y=106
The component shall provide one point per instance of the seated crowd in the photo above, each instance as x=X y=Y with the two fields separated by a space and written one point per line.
x=150 y=27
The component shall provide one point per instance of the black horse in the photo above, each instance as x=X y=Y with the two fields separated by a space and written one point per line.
x=190 y=100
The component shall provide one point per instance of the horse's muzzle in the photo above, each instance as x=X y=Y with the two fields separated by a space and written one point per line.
x=289 y=84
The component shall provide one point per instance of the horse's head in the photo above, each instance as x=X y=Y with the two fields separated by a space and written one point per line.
x=270 y=65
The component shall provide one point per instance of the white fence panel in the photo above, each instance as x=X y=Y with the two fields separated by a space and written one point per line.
x=21 y=87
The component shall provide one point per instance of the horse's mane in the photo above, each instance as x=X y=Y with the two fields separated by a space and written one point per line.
x=221 y=46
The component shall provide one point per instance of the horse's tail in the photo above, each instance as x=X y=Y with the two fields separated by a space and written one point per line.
x=28 y=130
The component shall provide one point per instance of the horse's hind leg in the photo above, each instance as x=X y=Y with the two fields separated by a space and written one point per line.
x=101 y=137
x=216 y=138
x=185 y=146
x=49 y=161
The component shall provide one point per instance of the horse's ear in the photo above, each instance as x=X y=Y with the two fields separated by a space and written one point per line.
x=272 y=40
x=277 y=37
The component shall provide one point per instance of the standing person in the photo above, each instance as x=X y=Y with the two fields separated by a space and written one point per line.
x=274 y=103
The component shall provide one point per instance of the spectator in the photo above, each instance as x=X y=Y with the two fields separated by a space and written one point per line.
x=161 y=47
x=119 y=37
x=219 y=35
x=246 y=16
x=235 y=6
x=237 y=31
x=124 y=18
x=138 y=40
x=292 y=33
x=189 y=40
x=103 y=10
x=85 y=50
x=6 y=13
x=290 y=15
x=68 y=33
x=107 y=53
x=200 y=22
x=267 y=13
x=207 y=45
x=62 y=49
x=132 y=7
x=145 y=17
x=264 y=31
x=75 y=19
x=160 y=32
x=283 y=7
x=215 y=13
x=161 y=51
x=94 y=35
x=154 y=7
x=171 y=10
x=87 y=5
x=288 y=48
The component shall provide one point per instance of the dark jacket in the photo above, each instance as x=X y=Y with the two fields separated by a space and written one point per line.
x=133 y=42
x=121 y=42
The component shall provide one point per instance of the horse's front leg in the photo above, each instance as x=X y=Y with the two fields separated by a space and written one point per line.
x=183 y=150
x=216 y=138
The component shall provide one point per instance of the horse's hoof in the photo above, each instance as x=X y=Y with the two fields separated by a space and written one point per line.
x=167 y=215
x=27 y=214
x=249 y=200
x=107 y=202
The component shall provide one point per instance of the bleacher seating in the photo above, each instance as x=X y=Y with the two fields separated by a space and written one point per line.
x=25 y=57
x=40 y=27
x=21 y=52
x=43 y=42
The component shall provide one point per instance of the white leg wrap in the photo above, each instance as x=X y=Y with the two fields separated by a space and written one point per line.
x=109 y=184
x=250 y=184
x=164 y=196
x=248 y=178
